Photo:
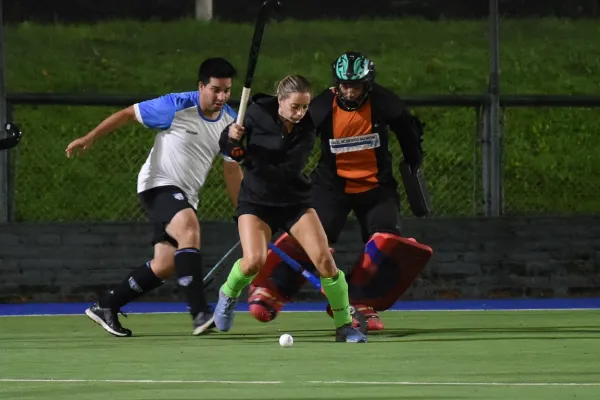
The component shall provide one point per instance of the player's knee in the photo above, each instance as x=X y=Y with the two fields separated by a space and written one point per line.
x=184 y=228
x=186 y=232
x=252 y=262
x=188 y=236
x=162 y=269
x=163 y=263
x=325 y=264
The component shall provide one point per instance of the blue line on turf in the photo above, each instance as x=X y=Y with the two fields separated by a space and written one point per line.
x=417 y=305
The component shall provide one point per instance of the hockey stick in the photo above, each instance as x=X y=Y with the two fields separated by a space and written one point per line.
x=209 y=276
x=234 y=148
x=295 y=265
x=316 y=282
x=259 y=28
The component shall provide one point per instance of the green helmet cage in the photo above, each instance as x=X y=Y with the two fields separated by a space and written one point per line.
x=353 y=67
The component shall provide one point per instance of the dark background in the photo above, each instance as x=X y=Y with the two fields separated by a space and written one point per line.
x=474 y=258
x=74 y=11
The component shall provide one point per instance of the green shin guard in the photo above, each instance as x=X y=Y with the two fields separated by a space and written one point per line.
x=336 y=290
x=236 y=281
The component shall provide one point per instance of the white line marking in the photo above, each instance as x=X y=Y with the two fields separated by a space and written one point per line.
x=224 y=382
x=408 y=383
x=138 y=381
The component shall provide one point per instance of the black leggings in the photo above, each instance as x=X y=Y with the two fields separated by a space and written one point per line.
x=377 y=210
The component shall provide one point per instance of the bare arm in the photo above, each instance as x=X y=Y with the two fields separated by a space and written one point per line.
x=232 y=173
x=110 y=124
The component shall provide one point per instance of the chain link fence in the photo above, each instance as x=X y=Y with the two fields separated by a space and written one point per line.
x=550 y=165
x=101 y=185
x=98 y=186
x=452 y=164
x=551 y=162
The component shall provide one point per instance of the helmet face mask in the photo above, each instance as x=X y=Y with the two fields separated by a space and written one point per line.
x=353 y=68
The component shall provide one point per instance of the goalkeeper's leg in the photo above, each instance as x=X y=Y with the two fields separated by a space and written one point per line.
x=389 y=263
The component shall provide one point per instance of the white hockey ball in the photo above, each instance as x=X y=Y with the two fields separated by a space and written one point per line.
x=286 y=340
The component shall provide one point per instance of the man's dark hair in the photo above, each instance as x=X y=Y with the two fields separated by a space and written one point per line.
x=215 y=68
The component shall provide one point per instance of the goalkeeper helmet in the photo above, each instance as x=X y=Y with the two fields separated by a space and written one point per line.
x=353 y=68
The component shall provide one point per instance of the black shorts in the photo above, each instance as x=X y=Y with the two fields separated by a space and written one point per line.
x=161 y=204
x=377 y=210
x=278 y=218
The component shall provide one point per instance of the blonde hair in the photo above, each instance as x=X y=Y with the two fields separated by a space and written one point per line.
x=292 y=84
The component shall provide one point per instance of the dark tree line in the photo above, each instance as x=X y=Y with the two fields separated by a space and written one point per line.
x=89 y=11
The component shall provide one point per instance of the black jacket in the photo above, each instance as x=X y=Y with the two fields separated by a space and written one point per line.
x=355 y=154
x=274 y=160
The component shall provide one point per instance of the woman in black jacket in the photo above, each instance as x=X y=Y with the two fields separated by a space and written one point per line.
x=275 y=194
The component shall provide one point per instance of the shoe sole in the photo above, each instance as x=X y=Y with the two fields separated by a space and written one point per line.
x=103 y=324
x=224 y=328
x=204 y=327
x=344 y=339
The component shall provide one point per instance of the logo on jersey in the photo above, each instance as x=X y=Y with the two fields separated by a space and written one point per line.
x=355 y=143
x=191 y=132
x=179 y=196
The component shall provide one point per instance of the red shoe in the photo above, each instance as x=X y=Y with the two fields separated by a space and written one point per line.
x=265 y=304
x=373 y=321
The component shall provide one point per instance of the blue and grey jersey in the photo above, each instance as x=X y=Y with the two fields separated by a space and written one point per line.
x=185 y=147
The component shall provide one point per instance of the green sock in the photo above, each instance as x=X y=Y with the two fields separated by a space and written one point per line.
x=336 y=290
x=236 y=281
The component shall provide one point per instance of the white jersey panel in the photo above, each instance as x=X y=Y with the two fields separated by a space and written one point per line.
x=185 y=148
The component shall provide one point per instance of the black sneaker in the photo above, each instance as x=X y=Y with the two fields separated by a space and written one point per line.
x=203 y=322
x=108 y=319
x=349 y=334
